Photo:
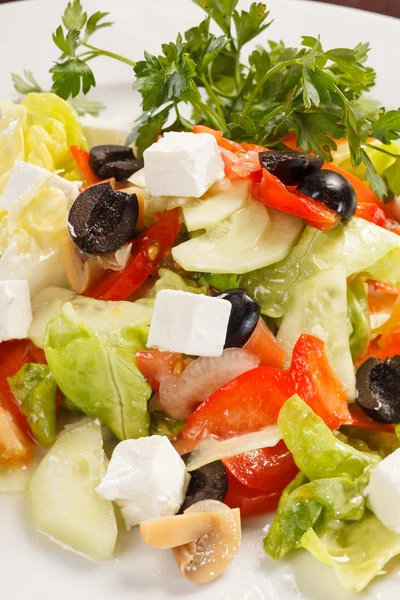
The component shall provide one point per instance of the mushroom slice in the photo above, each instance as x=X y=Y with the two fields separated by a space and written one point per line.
x=82 y=270
x=205 y=539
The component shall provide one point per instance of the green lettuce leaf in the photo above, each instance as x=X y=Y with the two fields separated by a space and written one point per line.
x=169 y=280
x=322 y=294
x=379 y=159
x=98 y=373
x=12 y=119
x=221 y=281
x=35 y=390
x=358 y=550
x=358 y=316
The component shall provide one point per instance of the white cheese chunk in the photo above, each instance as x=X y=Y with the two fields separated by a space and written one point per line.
x=15 y=310
x=182 y=164
x=147 y=478
x=24 y=176
x=189 y=323
x=384 y=491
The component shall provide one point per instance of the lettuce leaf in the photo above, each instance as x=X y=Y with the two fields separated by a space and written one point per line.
x=169 y=280
x=358 y=316
x=322 y=294
x=35 y=389
x=12 y=120
x=98 y=373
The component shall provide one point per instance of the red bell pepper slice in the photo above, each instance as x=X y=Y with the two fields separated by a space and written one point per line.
x=264 y=344
x=13 y=355
x=363 y=193
x=371 y=212
x=272 y=192
x=81 y=158
x=147 y=252
x=250 y=501
x=221 y=141
x=387 y=289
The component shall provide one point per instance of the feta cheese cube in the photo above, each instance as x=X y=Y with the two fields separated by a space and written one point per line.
x=147 y=478
x=182 y=164
x=15 y=310
x=24 y=176
x=384 y=491
x=189 y=323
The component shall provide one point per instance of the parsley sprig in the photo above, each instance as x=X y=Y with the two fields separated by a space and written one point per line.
x=313 y=93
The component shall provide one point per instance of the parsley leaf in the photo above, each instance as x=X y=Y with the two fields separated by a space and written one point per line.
x=94 y=23
x=71 y=76
x=391 y=175
x=376 y=182
x=27 y=85
x=317 y=130
x=74 y=17
x=250 y=23
x=387 y=127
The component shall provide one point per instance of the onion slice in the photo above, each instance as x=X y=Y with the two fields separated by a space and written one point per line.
x=210 y=450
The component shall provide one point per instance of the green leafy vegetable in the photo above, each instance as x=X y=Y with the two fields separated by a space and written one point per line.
x=311 y=92
x=162 y=424
x=98 y=373
x=35 y=390
x=221 y=281
x=358 y=316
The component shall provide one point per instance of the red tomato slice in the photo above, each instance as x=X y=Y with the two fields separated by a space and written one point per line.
x=154 y=365
x=253 y=400
x=246 y=146
x=387 y=289
x=272 y=192
x=360 y=419
x=13 y=355
x=221 y=141
x=250 y=501
x=393 y=225
x=247 y=166
x=148 y=251
x=264 y=344
x=371 y=212
x=81 y=158
x=15 y=449
x=267 y=469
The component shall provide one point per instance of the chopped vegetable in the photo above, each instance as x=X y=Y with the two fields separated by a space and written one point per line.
x=264 y=344
x=15 y=449
x=332 y=189
x=208 y=482
x=81 y=157
x=290 y=167
x=243 y=319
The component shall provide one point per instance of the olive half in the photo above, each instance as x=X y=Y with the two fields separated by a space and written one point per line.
x=331 y=188
x=243 y=318
x=206 y=483
x=114 y=161
x=102 y=219
x=289 y=166
x=378 y=386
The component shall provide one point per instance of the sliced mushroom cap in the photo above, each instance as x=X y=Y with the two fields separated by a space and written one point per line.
x=205 y=539
x=82 y=270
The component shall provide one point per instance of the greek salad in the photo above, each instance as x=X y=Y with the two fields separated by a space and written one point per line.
x=203 y=324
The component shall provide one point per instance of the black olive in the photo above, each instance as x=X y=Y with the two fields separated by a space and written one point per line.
x=207 y=483
x=378 y=386
x=120 y=169
x=114 y=161
x=243 y=318
x=102 y=219
x=331 y=188
x=288 y=166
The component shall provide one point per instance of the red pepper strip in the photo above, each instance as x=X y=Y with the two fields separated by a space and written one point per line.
x=272 y=192
x=247 y=147
x=363 y=193
x=147 y=252
x=387 y=289
x=154 y=365
x=221 y=141
x=81 y=158
x=13 y=355
x=371 y=212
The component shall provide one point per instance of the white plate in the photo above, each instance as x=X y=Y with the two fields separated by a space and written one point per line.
x=31 y=567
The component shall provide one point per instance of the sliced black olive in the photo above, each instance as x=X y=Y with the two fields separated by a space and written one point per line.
x=102 y=219
x=243 y=318
x=289 y=166
x=378 y=386
x=100 y=155
x=120 y=169
x=207 y=483
x=331 y=188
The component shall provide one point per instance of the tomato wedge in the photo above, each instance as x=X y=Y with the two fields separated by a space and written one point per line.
x=147 y=252
x=15 y=448
x=272 y=192
x=266 y=469
x=250 y=501
x=370 y=212
x=154 y=365
x=13 y=355
x=81 y=158
x=264 y=344
x=253 y=400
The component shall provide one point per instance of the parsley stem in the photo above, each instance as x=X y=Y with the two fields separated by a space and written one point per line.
x=211 y=115
x=246 y=83
x=100 y=52
x=214 y=98
x=383 y=150
x=264 y=79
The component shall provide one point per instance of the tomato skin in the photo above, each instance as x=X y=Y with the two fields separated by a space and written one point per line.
x=253 y=400
x=266 y=469
x=154 y=365
x=147 y=252
x=13 y=355
x=272 y=192
x=264 y=344
x=250 y=501
x=360 y=419
x=81 y=158
x=218 y=135
x=370 y=212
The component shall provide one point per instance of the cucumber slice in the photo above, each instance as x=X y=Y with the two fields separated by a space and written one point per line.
x=250 y=239
x=220 y=202
x=62 y=497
